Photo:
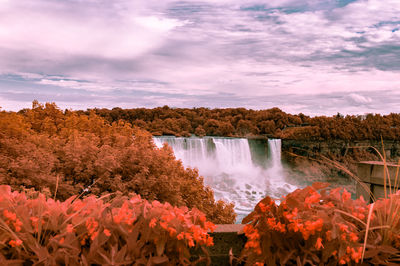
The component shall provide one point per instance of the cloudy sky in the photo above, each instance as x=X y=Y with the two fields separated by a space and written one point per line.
x=311 y=56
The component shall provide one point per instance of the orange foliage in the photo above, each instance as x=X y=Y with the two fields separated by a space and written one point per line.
x=46 y=148
x=95 y=231
x=321 y=226
x=272 y=122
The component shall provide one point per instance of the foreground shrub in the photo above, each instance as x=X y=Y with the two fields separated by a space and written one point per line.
x=45 y=148
x=122 y=231
x=383 y=238
x=318 y=226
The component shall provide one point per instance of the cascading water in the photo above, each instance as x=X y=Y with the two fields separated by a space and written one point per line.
x=277 y=185
x=229 y=169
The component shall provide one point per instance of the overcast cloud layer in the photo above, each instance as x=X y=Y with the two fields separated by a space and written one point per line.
x=317 y=57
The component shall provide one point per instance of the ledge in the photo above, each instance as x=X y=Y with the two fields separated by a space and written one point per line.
x=374 y=176
x=228 y=228
x=228 y=244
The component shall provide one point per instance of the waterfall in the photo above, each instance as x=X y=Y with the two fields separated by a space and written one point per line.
x=210 y=155
x=274 y=148
x=276 y=181
x=229 y=169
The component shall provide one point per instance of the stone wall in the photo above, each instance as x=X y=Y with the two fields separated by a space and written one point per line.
x=331 y=161
x=339 y=147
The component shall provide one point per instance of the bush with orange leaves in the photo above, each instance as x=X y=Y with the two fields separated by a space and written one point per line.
x=95 y=231
x=71 y=153
x=318 y=226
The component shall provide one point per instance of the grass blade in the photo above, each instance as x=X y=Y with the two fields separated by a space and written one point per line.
x=371 y=207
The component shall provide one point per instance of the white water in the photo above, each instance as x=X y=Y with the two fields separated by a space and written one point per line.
x=228 y=168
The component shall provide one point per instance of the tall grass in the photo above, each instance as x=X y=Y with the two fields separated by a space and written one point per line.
x=386 y=209
x=382 y=228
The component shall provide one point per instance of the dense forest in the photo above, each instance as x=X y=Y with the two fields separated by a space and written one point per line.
x=93 y=151
x=240 y=122
x=69 y=153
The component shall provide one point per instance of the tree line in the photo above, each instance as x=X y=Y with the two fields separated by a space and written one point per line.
x=241 y=122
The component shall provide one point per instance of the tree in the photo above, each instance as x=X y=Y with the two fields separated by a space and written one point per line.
x=200 y=131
